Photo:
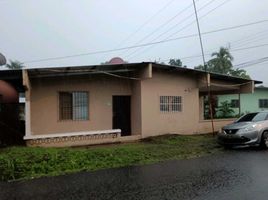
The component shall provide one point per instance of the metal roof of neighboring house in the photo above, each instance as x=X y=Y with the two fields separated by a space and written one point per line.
x=80 y=70
x=261 y=88
x=10 y=74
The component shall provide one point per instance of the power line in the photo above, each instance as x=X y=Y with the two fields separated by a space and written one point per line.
x=253 y=37
x=184 y=27
x=147 y=44
x=184 y=20
x=203 y=15
x=145 y=23
x=245 y=40
x=232 y=50
x=171 y=28
x=163 y=24
x=251 y=63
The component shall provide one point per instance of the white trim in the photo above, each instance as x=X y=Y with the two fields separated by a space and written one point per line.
x=29 y=137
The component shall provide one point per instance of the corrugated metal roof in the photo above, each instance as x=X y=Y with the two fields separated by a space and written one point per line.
x=84 y=69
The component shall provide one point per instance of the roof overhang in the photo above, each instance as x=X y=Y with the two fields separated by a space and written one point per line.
x=218 y=83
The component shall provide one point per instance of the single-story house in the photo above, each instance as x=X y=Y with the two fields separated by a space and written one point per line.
x=81 y=105
x=244 y=103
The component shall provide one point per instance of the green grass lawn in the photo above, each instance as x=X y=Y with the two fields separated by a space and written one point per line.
x=31 y=162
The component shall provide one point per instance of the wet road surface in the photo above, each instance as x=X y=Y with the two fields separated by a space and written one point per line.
x=234 y=174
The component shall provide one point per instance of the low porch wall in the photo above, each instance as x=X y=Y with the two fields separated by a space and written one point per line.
x=80 y=139
x=205 y=126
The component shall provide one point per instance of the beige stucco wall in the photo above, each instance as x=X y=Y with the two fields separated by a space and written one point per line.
x=205 y=126
x=146 y=118
x=136 y=108
x=44 y=103
x=189 y=121
x=163 y=83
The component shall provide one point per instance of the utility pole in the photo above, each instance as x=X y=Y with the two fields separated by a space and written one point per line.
x=205 y=66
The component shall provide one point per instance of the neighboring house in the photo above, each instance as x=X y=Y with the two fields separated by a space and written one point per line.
x=81 y=105
x=10 y=125
x=251 y=102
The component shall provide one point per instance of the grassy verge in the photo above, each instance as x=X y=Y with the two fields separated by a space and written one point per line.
x=30 y=162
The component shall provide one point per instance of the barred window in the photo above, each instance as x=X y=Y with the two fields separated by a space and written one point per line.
x=263 y=103
x=73 y=105
x=170 y=103
x=234 y=103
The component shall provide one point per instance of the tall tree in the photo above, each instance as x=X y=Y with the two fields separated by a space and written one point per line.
x=14 y=65
x=221 y=62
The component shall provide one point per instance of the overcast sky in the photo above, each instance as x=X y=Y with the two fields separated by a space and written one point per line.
x=32 y=30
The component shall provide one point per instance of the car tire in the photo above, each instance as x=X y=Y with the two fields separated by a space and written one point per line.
x=264 y=140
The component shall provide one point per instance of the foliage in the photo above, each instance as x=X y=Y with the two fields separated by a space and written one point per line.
x=239 y=73
x=221 y=62
x=225 y=109
x=173 y=62
x=159 y=62
x=176 y=62
x=29 y=162
x=14 y=64
x=214 y=105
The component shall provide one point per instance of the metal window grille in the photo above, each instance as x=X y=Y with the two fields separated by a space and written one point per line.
x=263 y=103
x=170 y=103
x=73 y=105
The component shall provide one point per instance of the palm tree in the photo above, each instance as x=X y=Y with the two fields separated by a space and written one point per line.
x=14 y=64
x=222 y=61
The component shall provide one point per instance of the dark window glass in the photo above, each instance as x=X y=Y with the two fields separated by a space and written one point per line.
x=73 y=105
x=66 y=105
x=263 y=103
x=235 y=103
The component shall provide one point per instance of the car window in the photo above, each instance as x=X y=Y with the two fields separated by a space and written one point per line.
x=260 y=117
x=253 y=117
x=247 y=117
